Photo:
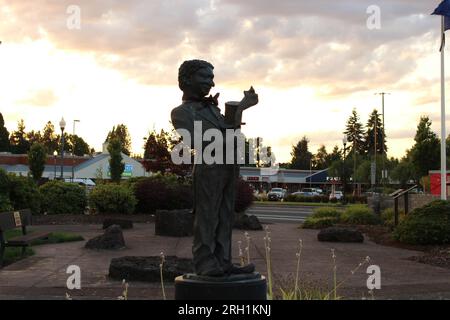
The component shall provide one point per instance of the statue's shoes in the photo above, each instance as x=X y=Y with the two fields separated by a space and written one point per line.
x=236 y=269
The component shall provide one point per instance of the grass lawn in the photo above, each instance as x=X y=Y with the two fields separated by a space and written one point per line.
x=307 y=204
x=13 y=254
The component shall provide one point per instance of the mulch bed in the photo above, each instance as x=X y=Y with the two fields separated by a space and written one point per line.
x=438 y=256
x=68 y=219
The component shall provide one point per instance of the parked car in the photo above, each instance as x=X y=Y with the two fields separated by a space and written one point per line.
x=276 y=194
x=337 y=195
x=310 y=192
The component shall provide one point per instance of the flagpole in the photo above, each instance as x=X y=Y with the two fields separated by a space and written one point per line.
x=443 y=144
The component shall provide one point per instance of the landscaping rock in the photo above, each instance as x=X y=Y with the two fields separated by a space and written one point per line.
x=335 y=234
x=246 y=222
x=124 y=224
x=112 y=239
x=174 y=223
x=147 y=268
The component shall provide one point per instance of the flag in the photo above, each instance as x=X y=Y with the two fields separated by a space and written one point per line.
x=443 y=10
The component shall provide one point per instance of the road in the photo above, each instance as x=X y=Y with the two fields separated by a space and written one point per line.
x=280 y=213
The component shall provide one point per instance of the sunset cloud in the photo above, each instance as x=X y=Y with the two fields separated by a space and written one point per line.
x=322 y=47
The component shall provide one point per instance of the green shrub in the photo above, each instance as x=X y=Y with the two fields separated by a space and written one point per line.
x=387 y=216
x=112 y=198
x=63 y=198
x=24 y=193
x=333 y=200
x=324 y=199
x=326 y=213
x=429 y=224
x=5 y=203
x=360 y=215
x=291 y=198
x=319 y=223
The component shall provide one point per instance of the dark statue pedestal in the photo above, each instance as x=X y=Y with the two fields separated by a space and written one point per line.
x=235 y=287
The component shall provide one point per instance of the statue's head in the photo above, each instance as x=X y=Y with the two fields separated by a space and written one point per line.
x=196 y=78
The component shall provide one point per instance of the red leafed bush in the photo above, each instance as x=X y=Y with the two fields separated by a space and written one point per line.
x=244 y=196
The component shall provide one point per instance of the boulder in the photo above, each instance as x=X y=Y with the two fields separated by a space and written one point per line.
x=147 y=268
x=174 y=223
x=112 y=239
x=336 y=234
x=246 y=222
x=124 y=224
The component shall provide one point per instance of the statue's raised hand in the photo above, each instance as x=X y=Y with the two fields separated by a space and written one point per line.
x=250 y=99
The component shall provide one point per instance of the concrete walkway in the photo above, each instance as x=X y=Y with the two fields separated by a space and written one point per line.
x=43 y=276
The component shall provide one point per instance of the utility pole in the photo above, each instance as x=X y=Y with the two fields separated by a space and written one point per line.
x=382 y=94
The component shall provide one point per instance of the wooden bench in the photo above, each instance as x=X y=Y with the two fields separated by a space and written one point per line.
x=17 y=219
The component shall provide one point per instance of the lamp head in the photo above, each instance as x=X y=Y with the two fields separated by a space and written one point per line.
x=62 y=124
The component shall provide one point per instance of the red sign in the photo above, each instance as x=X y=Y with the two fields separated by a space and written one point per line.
x=435 y=183
x=252 y=178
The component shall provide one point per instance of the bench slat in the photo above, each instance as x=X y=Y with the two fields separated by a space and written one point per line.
x=26 y=239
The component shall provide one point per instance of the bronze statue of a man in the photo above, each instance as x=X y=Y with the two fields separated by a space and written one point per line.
x=214 y=184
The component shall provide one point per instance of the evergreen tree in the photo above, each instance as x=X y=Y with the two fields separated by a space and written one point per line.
x=18 y=139
x=374 y=124
x=5 y=145
x=37 y=157
x=49 y=138
x=425 y=154
x=301 y=156
x=321 y=158
x=157 y=153
x=116 y=166
x=355 y=133
x=121 y=132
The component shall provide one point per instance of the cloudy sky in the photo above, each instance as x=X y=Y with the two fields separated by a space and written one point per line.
x=311 y=62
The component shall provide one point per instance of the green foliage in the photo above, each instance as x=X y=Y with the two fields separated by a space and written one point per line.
x=37 y=157
x=121 y=133
x=5 y=203
x=5 y=145
x=360 y=215
x=115 y=162
x=374 y=124
x=355 y=132
x=388 y=217
x=326 y=213
x=301 y=157
x=63 y=198
x=112 y=198
x=24 y=193
x=425 y=154
x=18 y=139
x=429 y=224
x=319 y=223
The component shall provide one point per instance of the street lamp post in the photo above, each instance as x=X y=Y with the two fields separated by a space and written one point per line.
x=55 y=154
x=62 y=125
x=73 y=149
x=344 y=142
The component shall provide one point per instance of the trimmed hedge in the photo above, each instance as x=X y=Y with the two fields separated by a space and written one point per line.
x=429 y=224
x=360 y=215
x=319 y=223
x=327 y=213
x=112 y=198
x=63 y=198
